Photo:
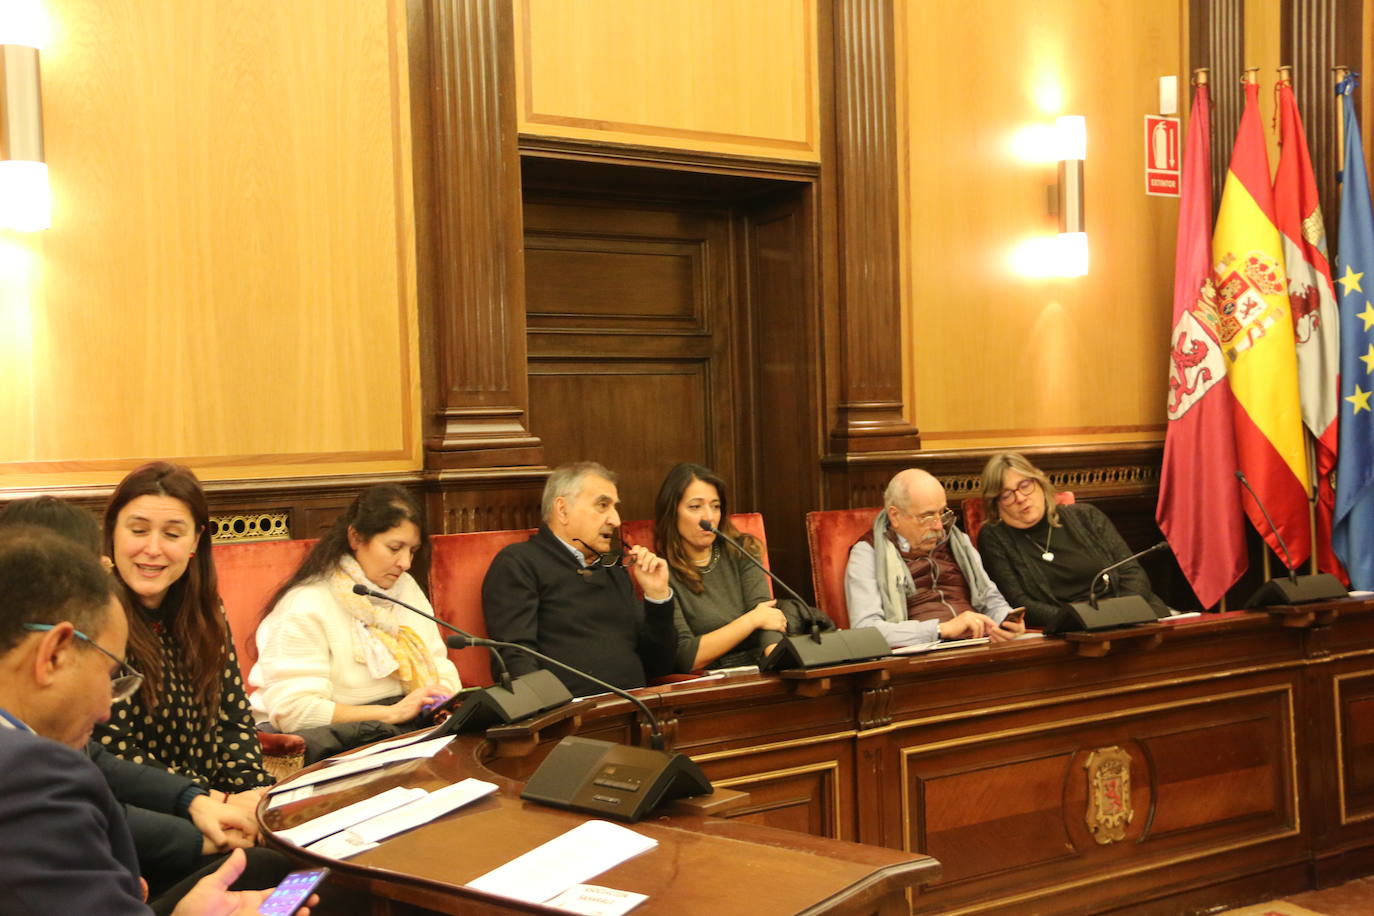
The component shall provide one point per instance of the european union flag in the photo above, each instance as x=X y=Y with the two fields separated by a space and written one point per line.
x=1353 y=531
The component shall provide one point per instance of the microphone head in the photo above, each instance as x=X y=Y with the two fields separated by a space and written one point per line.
x=361 y=590
x=705 y=525
x=1240 y=475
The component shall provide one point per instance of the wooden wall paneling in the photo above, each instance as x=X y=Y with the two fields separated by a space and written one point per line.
x=1315 y=36
x=470 y=267
x=1216 y=40
x=630 y=310
x=868 y=414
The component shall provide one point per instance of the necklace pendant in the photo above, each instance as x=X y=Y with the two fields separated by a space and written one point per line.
x=1047 y=556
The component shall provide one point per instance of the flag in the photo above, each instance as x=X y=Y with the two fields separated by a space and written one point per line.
x=1316 y=320
x=1354 y=521
x=1199 y=498
x=1251 y=315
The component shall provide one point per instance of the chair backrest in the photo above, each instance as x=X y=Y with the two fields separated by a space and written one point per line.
x=975 y=512
x=642 y=532
x=458 y=564
x=829 y=535
x=248 y=574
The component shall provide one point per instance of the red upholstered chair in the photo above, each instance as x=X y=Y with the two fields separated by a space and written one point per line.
x=642 y=532
x=458 y=564
x=248 y=575
x=975 y=513
x=829 y=535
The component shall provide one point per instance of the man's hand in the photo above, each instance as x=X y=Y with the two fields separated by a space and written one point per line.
x=245 y=801
x=651 y=572
x=211 y=895
x=1008 y=629
x=968 y=625
x=222 y=826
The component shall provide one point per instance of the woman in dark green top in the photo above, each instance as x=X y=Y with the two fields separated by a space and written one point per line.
x=1042 y=555
x=725 y=614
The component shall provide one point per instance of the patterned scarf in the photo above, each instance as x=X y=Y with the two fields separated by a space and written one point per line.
x=387 y=648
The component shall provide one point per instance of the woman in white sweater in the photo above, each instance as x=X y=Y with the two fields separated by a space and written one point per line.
x=327 y=655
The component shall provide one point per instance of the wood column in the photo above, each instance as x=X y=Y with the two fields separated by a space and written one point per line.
x=470 y=264
x=868 y=413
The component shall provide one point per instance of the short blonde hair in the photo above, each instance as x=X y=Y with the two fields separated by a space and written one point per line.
x=993 y=473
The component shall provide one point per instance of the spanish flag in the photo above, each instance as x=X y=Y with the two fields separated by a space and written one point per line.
x=1253 y=321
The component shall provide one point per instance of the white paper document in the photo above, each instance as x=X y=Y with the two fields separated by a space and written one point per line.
x=381 y=746
x=572 y=858
x=590 y=900
x=422 y=810
x=318 y=828
x=955 y=644
x=350 y=765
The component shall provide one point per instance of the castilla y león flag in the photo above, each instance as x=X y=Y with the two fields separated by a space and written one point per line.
x=1199 y=498
x=1254 y=324
x=1316 y=320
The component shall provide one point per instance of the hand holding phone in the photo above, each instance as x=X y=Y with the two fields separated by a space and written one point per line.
x=292 y=893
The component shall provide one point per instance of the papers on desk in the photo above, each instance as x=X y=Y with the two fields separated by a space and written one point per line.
x=547 y=871
x=347 y=766
x=363 y=825
x=955 y=644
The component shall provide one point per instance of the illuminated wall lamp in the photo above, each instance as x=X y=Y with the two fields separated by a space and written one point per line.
x=1072 y=241
x=25 y=197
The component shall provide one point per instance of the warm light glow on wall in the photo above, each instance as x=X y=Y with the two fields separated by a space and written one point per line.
x=25 y=195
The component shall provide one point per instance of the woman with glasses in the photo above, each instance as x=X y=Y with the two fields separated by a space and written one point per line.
x=190 y=714
x=327 y=655
x=725 y=613
x=1044 y=555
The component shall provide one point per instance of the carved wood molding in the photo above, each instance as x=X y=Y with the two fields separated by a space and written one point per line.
x=868 y=414
x=1216 y=40
x=467 y=197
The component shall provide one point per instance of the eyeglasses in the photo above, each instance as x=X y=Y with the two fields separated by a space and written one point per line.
x=610 y=557
x=945 y=517
x=1021 y=489
x=124 y=685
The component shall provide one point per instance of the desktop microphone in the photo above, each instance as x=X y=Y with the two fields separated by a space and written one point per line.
x=1101 y=577
x=1297 y=589
x=508 y=701
x=582 y=774
x=1110 y=613
x=832 y=647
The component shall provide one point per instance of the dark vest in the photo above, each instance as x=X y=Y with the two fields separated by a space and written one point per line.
x=941 y=590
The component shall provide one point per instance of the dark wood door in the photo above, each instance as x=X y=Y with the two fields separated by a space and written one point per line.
x=631 y=313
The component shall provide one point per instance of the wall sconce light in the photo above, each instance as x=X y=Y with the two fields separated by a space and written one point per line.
x=1072 y=242
x=25 y=196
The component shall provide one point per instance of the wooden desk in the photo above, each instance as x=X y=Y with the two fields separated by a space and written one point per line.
x=1247 y=742
x=701 y=864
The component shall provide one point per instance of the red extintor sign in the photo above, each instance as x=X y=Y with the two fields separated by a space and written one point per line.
x=1162 y=159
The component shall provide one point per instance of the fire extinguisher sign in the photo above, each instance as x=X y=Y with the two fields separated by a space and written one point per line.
x=1162 y=156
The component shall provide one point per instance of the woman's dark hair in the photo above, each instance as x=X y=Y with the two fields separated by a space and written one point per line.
x=667 y=539
x=376 y=510
x=191 y=608
x=56 y=515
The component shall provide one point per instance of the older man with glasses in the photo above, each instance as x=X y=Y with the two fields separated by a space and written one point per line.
x=917 y=578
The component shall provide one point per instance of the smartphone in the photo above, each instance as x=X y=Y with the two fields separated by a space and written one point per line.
x=1014 y=615
x=293 y=891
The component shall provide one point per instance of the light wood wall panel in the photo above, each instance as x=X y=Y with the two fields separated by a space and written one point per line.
x=230 y=277
x=713 y=75
x=995 y=357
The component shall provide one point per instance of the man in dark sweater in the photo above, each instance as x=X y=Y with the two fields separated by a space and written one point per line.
x=563 y=594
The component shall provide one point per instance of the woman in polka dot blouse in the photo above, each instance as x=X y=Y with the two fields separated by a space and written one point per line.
x=191 y=716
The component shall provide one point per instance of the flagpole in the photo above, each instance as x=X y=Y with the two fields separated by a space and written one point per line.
x=1341 y=73
x=1250 y=77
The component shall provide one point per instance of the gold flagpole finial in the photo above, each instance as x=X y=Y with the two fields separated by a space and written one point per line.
x=1200 y=76
x=1286 y=73
x=1250 y=76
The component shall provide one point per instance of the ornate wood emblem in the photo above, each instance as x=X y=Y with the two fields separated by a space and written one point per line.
x=1109 y=794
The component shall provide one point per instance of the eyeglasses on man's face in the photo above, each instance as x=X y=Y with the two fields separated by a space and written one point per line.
x=123 y=685
x=1022 y=489
x=944 y=518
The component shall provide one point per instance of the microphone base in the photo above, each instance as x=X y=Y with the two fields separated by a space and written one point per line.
x=1109 y=614
x=1319 y=587
x=835 y=648
x=613 y=780
x=529 y=694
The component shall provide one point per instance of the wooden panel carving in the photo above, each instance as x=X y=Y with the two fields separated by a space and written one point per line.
x=805 y=798
x=1216 y=774
x=1354 y=697
x=1217 y=41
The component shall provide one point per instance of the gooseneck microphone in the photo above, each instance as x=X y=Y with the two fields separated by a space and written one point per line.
x=1287 y=557
x=1296 y=589
x=360 y=589
x=464 y=640
x=1101 y=577
x=705 y=525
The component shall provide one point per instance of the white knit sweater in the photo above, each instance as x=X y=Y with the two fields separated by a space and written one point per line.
x=306 y=660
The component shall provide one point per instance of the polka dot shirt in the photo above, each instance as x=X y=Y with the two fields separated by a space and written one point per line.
x=219 y=752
